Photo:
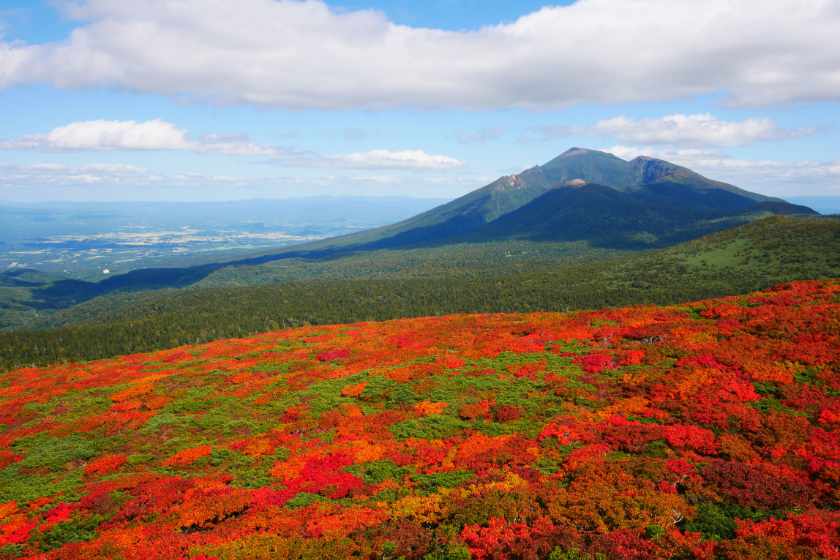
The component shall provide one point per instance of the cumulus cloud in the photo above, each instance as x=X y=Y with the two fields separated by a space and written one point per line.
x=699 y=129
x=156 y=134
x=775 y=177
x=132 y=135
x=304 y=54
x=118 y=135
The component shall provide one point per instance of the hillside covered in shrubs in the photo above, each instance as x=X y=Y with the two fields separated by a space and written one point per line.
x=703 y=430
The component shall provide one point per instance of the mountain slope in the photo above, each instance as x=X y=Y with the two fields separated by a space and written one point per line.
x=656 y=214
x=392 y=284
x=704 y=430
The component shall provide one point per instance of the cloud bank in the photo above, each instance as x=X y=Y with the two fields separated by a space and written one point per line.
x=698 y=130
x=121 y=181
x=104 y=135
x=303 y=54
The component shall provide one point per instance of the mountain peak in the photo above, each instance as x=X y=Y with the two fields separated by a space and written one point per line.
x=576 y=151
x=592 y=166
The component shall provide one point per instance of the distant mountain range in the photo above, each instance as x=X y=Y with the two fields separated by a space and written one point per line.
x=585 y=195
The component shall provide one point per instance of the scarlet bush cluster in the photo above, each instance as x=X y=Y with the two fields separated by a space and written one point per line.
x=706 y=430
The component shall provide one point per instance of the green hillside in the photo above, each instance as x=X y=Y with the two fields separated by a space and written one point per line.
x=360 y=288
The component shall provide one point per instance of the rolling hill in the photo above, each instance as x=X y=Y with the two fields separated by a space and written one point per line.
x=705 y=430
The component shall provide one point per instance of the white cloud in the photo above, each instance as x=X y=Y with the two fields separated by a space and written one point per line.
x=774 y=177
x=117 y=135
x=696 y=130
x=161 y=135
x=304 y=54
x=132 y=135
x=398 y=159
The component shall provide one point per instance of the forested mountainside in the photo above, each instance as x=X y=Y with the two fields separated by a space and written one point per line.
x=392 y=284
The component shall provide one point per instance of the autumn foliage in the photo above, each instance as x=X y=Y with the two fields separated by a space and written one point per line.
x=706 y=430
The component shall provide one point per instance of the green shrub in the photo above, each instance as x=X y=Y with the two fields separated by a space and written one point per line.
x=713 y=522
x=431 y=482
x=436 y=426
x=75 y=530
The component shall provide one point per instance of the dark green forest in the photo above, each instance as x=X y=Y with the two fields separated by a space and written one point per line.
x=748 y=258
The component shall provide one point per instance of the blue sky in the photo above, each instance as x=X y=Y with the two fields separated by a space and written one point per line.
x=105 y=100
